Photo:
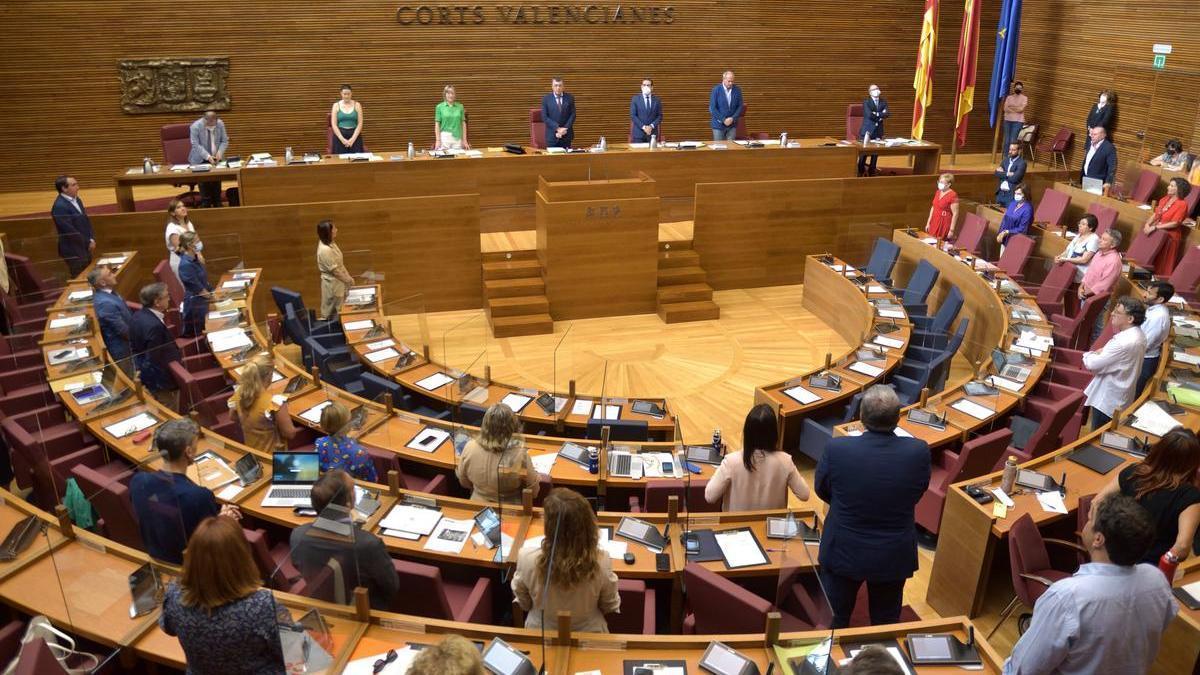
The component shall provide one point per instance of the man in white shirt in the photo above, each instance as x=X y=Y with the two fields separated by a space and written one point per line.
x=1155 y=328
x=209 y=141
x=1109 y=617
x=1115 y=367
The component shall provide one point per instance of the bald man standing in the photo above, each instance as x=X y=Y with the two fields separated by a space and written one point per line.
x=725 y=106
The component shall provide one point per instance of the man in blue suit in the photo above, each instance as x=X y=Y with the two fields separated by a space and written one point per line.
x=558 y=114
x=76 y=242
x=645 y=114
x=1010 y=173
x=875 y=111
x=112 y=314
x=872 y=484
x=154 y=346
x=725 y=107
x=1100 y=160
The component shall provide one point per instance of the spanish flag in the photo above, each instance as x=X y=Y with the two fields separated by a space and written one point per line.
x=968 y=58
x=923 y=82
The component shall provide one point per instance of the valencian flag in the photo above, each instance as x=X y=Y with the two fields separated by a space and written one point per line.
x=923 y=82
x=1005 y=62
x=968 y=57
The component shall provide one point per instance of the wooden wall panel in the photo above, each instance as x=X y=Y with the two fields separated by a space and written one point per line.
x=421 y=245
x=1070 y=49
x=799 y=63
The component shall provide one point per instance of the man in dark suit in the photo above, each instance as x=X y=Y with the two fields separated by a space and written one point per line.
x=558 y=114
x=872 y=484
x=645 y=114
x=875 y=111
x=154 y=346
x=1010 y=173
x=1100 y=160
x=725 y=107
x=76 y=241
x=112 y=314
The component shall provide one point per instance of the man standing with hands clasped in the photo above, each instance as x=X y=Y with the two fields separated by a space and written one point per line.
x=875 y=111
x=645 y=114
x=209 y=142
x=558 y=114
x=725 y=106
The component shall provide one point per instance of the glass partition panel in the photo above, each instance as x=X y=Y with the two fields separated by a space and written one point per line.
x=221 y=254
x=407 y=323
x=464 y=355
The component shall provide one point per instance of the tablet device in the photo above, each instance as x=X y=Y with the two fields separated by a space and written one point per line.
x=704 y=454
x=927 y=418
x=1035 y=481
x=20 y=537
x=641 y=532
x=648 y=408
x=1094 y=458
x=722 y=659
x=980 y=389
x=488 y=523
x=501 y=658
x=575 y=453
x=940 y=649
x=827 y=381
x=143 y=586
x=248 y=469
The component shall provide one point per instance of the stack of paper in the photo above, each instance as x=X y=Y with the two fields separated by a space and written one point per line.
x=544 y=463
x=890 y=313
x=313 y=414
x=866 y=369
x=581 y=407
x=434 y=381
x=382 y=354
x=1152 y=419
x=417 y=520
x=740 y=548
x=973 y=409
x=801 y=395
x=68 y=321
x=362 y=324
x=888 y=342
x=235 y=284
x=611 y=412
x=230 y=338
x=79 y=296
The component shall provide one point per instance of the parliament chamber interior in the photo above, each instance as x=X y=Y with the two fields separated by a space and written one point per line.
x=806 y=385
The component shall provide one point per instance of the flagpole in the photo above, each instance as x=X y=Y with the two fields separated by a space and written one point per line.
x=996 y=138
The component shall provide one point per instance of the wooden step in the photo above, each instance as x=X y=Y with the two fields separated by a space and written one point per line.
x=681 y=258
x=511 y=288
x=525 y=324
x=674 y=276
x=501 y=256
x=678 y=312
x=675 y=245
x=518 y=305
x=512 y=269
x=684 y=293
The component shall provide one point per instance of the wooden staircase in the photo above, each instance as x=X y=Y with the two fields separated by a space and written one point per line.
x=683 y=290
x=516 y=294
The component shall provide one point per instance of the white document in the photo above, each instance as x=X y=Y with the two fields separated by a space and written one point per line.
x=801 y=395
x=279 y=399
x=890 y=313
x=616 y=549
x=434 y=381
x=235 y=284
x=132 y=425
x=80 y=296
x=740 y=548
x=222 y=314
x=1184 y=357
x=382 y=354
x=364 y=324
x=929 y=240
x=544 y=463
x=875 y=288
x=611 y=412
x=1005 y=383
x=68 y=321
x=360 y=296
x=516 y=402
x=973 y=409
x=229 y=338
x=67 y=355
x=429 y=440
x=866 y=369
x=1003 y=497
x=1152 y=419
x=581 y=407
x=888 y=342
x=1193 y=589
x=414 y=519
x=652 y=465
x=400 y=534
x=313 y=414
x=556 y=151
x=229 y=492
x=382 y=344
x=1052 y=501
x=450 y=535
x=404 y=659
x=111 y=260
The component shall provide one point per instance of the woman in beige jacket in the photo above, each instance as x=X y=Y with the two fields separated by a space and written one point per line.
x=495 y=465
x=760 y=476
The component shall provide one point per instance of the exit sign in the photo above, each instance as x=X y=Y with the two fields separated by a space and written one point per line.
x=1160 y=61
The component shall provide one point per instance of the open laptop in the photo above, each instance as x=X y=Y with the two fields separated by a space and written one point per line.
x=292 y=478
x=100 y=391
x=1006 y=366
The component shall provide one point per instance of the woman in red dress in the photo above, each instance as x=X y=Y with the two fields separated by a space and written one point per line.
x=1168 y=216
x=943 y=214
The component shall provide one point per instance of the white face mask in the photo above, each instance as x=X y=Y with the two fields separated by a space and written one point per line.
x=1103 y=100
x=942 y=186
x=874 y=93
x=645 y=90
x=1018 y=198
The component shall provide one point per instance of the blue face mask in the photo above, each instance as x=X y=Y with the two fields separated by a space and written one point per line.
x=1018 y=198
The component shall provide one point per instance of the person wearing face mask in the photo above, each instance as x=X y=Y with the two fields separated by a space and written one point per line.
x=875 y=111
x=1101 y=114
x=1168 y=216
x=1173 y=157
x=943 y=214
x=1014 y=114
x=645 y=114
x=1010 y=173
x=1017 y=216
x=1100 y=162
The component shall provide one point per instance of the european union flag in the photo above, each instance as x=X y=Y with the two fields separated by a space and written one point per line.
x=1005 y=63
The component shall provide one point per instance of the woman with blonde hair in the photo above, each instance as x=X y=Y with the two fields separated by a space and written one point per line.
x=943 y=213
x=450 y=122
x=338 y=450
x=224 y=619
x=453 y=656
x=178 y=223
x=581 y=577
x=264 y=426
x=495 y=465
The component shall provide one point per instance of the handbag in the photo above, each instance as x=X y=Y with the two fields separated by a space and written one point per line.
x=61 y=646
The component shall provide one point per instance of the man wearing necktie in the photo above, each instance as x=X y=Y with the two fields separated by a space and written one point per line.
x=645 y=114
x=209 y=140
x=558 y=115
x=76 y=242
x=725 y=107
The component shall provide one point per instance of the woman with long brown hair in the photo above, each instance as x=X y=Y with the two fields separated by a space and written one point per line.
x=264 y=426
x=495 y=466
x=581 y=577
x=224 y=619
x=1165 y=483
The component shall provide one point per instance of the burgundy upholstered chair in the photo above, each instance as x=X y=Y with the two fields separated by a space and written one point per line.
x=654 y=500
x=638 y=607
x=971 y=233
x=387 y=460
x=718 y=605
x=1030 y=565
x=1187 y=273
x=274 y=564
x=1016 y=254
x=111 y=499
x=1051 y=209
x=1074 y=332
x=1145 y=247
x=1106 y=217
x=1051 y=407
x=1052 y=292
x=977 y=457
x=427 y=594
x=854 y=120
x=537 y=129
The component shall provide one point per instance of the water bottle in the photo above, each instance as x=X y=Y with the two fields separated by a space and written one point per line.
x=653 y=141
x=1168 y=563
x=287 y=155
x=783 y=140
x=603 y=143
x=147 y=166
x=1010 y=474
x=717 y=438
x=411 y=151
x=593 y=460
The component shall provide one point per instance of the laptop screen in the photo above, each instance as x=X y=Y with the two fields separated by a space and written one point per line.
x=295 y=467
x=999 y=359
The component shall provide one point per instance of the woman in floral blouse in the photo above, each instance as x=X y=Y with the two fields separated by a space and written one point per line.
x=340 y=451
